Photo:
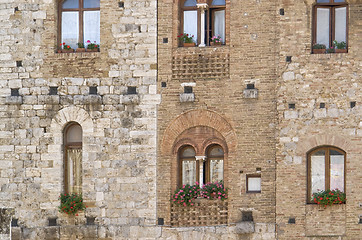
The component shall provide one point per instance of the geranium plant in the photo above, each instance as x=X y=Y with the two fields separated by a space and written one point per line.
x=65 y=46
x=339 y=45
x=80 y=45
x=185 y=195
x=329 y=197
x=92 y=45
x=216 y=39
x=71 y=203
x=319 y=46
x=186 y=38
x=214 y=190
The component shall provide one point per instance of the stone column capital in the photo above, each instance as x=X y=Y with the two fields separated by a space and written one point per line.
x=201 y=158
x=202 y=6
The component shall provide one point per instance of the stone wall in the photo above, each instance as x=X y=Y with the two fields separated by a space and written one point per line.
x=119 y=130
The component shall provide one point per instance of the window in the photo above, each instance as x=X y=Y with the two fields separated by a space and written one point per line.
x=330 y=22
x=79 y=21
x=73 y=158
x=326 y=170
x=203 y=20
x=253 y=183
x=203 y=169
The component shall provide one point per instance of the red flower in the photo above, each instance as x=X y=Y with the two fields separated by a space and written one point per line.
x=68 y=47
x=64 y=44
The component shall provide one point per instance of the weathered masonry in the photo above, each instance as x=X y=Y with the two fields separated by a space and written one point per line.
x=113 y=100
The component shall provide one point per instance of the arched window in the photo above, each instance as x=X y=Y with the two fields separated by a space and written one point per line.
x=213 y=16
x=330 y=22
x=214 y=164
x=326 y=170
x=73 y=158
x=189 y=173
x=79 y=21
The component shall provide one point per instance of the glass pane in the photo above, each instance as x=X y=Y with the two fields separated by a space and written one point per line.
x=216 y=152
x=341 y=24
x=337 y=170
x=74 y=134
x=190 y=3
x=318 y=171
x=218 y=2
x=188 y=152
x=91 y=4
x=322 y=1
x=219 y=24
x=70 y=4
x=190 y=23
x=254 y=184
x=70 y=28
x=216 y=170
x=323 y=26
x=74 y=166
x=91 y=27
x=339 y=1
x=188 y=172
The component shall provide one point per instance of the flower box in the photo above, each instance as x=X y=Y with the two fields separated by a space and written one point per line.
x=341 y=50
x=189 y=44
x=80 y=50
x=319 y=51
x=215 y=44
x=93 y=50
x=67 y=50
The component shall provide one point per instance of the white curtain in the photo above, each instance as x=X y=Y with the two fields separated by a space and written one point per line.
x=323 y=26
x=254 y=184
x=70 y=28
x=340 y=24
x=188 y=172
x=91 y=21
x=74 y=165
x=216 y=170
x=190 y=23
x=318 y=173
x=337 y=172
x=219 y=24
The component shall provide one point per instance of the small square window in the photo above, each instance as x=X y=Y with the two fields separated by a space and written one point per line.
x=15 y=92
x=291 y=105
x=352 y=104
x=322 y=105
x=93 y=90
x=53 y=91
x=187 y=89
x=253 y=183
x=131 y=90
x=19 y=63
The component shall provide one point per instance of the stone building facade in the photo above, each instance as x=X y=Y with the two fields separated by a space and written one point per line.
x=262 y=99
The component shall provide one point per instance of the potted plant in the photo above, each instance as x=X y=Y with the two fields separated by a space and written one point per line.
x=71 y=203
x=329 y=197
x=184 y=195
x=216 y=40
x=92 y=47
x=214 y=191
x=319 y=48
x=186 y=39
x=340 y=47
x=331 y=50
x=67 y=48
x=80 y=47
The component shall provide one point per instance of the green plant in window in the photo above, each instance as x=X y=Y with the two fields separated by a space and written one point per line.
x=331 y=50
x=319 y=46
x=92 y=45
x=214 y=190
x=339 y=45
x=71 y=203
x=329 y=197
x=80 y=45
x=186 y=38
x=186 y=194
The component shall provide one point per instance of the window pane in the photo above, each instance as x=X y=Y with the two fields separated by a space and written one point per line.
x=91 y=3
x=322 y=1
x=70 y=28
x=339 y=1
x=219 y=24
x=218 y=2
x=216 y=152
x=216 y=170
x=70 y=4
x=340 y=24
x=188 y=172
x=254 y=184
x=318 y=171
x=188 y=152
x=74 y=166
x=323 y=26
x=91 y=27
x=74 y=134
x=190 y=3
x=190 y=23
x=337 y=170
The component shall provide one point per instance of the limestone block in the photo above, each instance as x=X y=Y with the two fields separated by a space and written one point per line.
x=290 y=114
x=130 y=99
x=287 y=76
x=187 y=97
x=244 y=227
x=250 y=93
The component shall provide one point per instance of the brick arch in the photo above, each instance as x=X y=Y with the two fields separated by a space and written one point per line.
x=196 y=118
x=307 y=144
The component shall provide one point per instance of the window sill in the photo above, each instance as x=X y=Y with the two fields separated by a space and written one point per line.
x=74 y=55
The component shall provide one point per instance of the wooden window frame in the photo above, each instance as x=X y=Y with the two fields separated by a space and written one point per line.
x=209 y=14
x=181 y=159
x=247 y=182
x=73 y=145
x=207 y=165
x=327 y=162
x=81 y=11
x=332 y=6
